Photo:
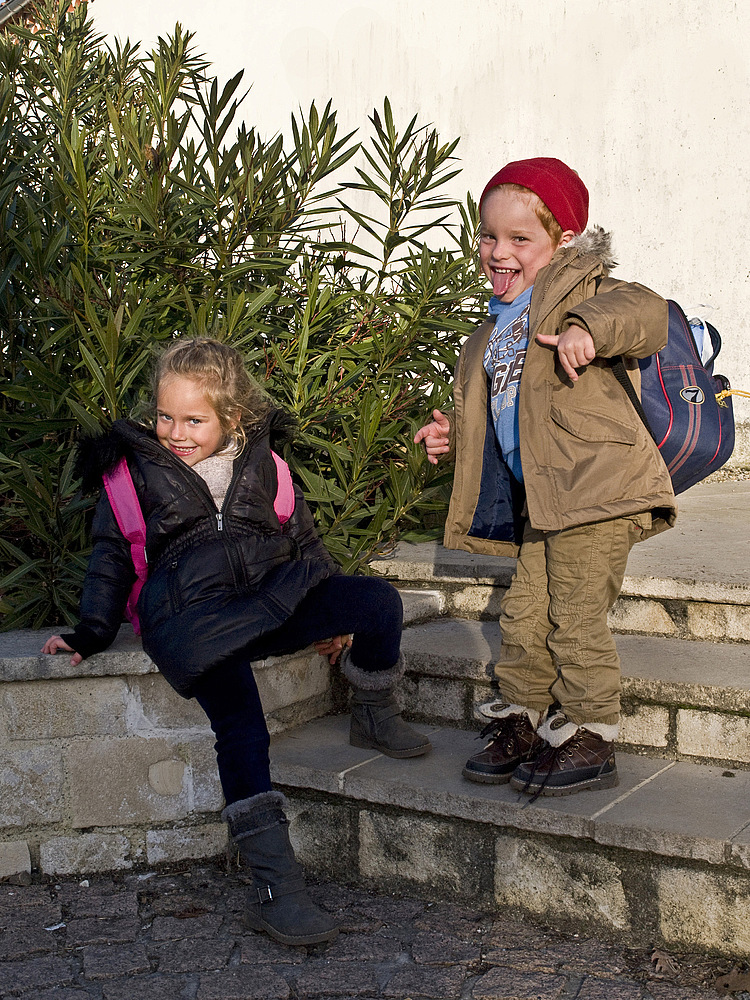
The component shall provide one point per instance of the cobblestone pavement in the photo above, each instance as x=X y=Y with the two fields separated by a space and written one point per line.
x=178 y=936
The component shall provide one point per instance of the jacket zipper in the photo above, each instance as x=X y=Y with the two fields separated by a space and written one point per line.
x=174 y=594
x=235 y=562
x=236 y=565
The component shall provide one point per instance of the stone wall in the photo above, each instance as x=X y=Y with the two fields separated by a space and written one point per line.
x=641 y=899
x=104 y=766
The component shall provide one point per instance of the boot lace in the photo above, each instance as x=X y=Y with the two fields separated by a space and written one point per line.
x=547 y=759
x=506 y=728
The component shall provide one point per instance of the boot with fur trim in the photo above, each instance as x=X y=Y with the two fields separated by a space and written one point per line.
x=376 y=716
x=278 y=902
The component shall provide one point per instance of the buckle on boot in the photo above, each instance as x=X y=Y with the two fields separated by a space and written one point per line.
x=264 y=894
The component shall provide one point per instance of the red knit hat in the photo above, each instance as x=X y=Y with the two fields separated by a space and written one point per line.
x=559 y=187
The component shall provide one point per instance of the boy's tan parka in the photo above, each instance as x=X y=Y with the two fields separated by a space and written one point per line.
x=585 y=453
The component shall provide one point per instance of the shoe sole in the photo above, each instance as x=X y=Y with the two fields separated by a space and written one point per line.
x=592 y=785
x=482 y=778
x=290 y=939
x=363 y=744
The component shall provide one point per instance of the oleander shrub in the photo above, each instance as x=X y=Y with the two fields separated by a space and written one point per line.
x=136 y=204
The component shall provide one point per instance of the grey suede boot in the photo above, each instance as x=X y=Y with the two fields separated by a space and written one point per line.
x=278 y=903
x=376 y=716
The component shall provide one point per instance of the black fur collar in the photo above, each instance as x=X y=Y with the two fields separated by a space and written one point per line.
x=97 y=454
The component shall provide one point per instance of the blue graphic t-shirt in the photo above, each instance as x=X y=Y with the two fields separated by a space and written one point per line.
x=503 y=362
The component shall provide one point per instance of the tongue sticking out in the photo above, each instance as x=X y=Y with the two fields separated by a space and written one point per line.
x=501 y=282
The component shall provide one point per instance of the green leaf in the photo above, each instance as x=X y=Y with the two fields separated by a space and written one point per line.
x=137 y=207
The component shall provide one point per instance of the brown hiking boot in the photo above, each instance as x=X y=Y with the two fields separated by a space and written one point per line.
x=514 y=740
x=585 y=761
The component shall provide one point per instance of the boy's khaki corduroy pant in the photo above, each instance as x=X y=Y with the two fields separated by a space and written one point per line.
x=556 y=640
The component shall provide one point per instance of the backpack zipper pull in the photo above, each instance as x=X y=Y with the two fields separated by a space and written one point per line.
x=220 y=521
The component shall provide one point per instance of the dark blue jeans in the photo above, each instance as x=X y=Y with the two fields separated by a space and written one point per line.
x=366 y=607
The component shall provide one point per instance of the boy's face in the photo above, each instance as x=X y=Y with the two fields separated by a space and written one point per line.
x=513 y=244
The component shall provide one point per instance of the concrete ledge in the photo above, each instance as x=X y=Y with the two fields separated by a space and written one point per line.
x=105 y=766
x=431 y=561
x=711 y=674
x=21 y=658
x=607 y=861
x=648 y=812
x=473 y=586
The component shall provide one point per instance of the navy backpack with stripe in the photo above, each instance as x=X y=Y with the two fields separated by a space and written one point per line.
x=686 y=408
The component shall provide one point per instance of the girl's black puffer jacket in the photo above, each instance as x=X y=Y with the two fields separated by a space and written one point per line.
x=217 y=579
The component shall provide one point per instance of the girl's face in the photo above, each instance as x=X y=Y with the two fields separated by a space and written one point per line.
x=186 y=423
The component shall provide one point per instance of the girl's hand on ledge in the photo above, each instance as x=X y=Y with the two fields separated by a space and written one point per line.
x=333 y=647
x=55 y=642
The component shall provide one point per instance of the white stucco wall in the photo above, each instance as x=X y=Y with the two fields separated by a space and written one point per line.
x=647 y=99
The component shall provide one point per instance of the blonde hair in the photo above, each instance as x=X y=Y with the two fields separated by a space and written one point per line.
x=238 y=400
x=551 y=226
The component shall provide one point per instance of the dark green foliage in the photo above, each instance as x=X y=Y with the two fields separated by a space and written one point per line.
x=135 y=206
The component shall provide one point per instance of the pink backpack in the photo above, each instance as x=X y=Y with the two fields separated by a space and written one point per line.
x=127 y=510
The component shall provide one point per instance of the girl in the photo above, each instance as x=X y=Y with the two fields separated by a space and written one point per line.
x=228 y=584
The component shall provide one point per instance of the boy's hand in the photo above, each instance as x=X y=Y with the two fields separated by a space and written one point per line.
x=55 y=642
x=333 y=647
x=435 y=437
x=575 y=348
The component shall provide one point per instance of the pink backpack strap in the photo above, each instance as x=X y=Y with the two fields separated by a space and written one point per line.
x=284 y=502
x=127 y=510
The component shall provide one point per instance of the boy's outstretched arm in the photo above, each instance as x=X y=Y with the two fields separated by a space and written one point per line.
x=575 y=348
x=623 y=318
x=435 y=437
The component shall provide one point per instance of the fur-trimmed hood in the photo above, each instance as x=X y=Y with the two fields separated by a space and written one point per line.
x=97 y=454
x=597 y=242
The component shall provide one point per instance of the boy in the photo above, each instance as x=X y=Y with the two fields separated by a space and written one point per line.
x=552 y=465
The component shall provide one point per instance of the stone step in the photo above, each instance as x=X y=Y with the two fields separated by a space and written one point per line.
x=691 y=582
x=104 y=765
x=681 y=699
x=293 y=688
x=663 y=859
